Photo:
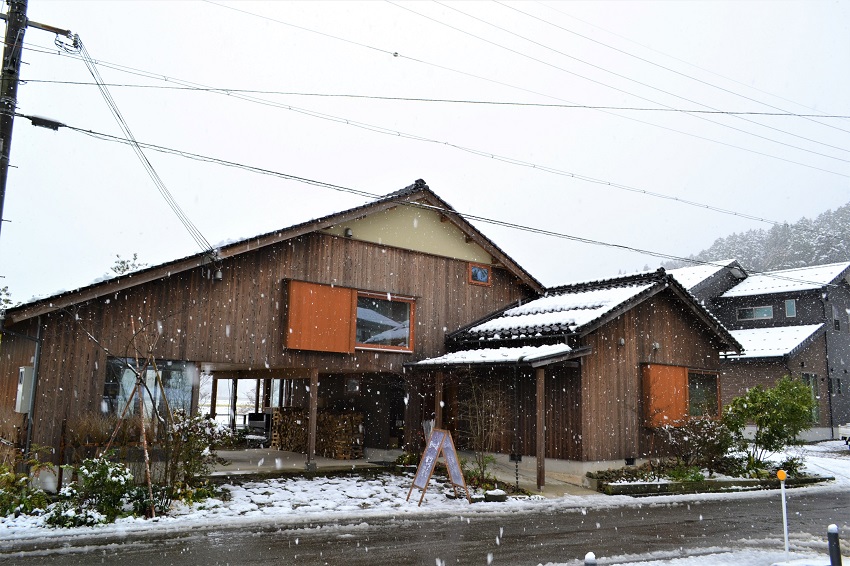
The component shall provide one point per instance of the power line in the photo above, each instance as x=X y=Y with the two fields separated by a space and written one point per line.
x=494 y=81
x=622 y=77
x=196 y=234
x=480 y=153
x=441 y=100
x=688 y=63
x=374 y=196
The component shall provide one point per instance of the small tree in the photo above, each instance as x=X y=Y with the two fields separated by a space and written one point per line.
x=779 y=415
x=484 y=409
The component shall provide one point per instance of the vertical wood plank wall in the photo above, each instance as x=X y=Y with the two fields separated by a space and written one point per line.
x=240 y=320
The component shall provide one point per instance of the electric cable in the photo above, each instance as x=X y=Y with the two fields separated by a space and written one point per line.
x=442 y=100
x=374 y=196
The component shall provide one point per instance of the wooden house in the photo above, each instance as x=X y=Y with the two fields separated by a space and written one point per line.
x=322 y=316
x=586 y=370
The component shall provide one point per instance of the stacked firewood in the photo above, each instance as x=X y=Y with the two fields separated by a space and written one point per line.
x=289 y=429
x=339 y=435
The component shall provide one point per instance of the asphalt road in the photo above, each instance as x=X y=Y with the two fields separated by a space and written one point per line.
x=520 y=538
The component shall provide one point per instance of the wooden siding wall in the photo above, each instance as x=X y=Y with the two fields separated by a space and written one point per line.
x=563 y=410
x=239 y=322
x=612 y=424
x=740 y=375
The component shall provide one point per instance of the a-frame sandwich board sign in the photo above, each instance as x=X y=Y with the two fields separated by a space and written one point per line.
x=439 y=442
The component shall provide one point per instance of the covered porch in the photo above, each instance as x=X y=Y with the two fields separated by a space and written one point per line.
x=317 y=415
x=541 y=384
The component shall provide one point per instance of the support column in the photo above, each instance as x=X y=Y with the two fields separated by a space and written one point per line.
x=311 y=420
x=233 y=390
x=214 y=399
x=540 y=374
x=267 y=393
x=438 y=401
x=257 y=397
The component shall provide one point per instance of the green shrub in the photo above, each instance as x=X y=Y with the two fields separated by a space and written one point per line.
x=779 y=415
x=17 y=493
x=700 y=442
x=102 y=494
x=192 y=441
x=686 y=473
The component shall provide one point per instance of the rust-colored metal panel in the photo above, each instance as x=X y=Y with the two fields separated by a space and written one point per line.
x=665 y=394
x=320 y=317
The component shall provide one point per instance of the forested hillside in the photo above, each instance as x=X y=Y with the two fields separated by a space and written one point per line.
x=826 y=239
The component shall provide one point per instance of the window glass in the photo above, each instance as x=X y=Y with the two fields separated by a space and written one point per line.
x=836 y=321
x=811 y=380
x=790 y=308
x=755 y=313
x=702 y=395
x=384 y=321
x=175 y=385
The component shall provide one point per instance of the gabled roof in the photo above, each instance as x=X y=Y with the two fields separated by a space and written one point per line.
x=695 y=275
x=580 y=308
x=774 y=342
x=418 y=195
x=790 y=280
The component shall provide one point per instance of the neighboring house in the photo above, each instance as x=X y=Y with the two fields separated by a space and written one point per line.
x=320 y=314
x=793 y=322
x=708 y=280
x=587 y=370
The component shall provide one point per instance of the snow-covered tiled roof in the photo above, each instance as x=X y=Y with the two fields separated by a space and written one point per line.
x=800 y=279
x=690 y=277
x=772 y=342
x=499 y=355
x=564 y=311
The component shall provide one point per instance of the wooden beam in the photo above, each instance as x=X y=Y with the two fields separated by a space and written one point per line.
x=311 y=420
x=438 y=401
x=540 y=373
x=267 y=393
x=257 y=397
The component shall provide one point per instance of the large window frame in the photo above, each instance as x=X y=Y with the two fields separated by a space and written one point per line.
x=179 y=380
x=764 y=312
x=329 y=318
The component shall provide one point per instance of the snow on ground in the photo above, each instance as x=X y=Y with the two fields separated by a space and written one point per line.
x=298 y=501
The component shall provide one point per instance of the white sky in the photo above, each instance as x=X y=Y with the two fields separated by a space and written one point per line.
x=73 y=202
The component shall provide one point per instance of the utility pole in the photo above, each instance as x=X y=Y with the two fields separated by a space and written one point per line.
x=16 y=25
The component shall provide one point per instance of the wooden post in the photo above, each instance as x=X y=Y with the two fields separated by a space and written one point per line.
x=257 y=397
x=214 y=400
x=438 y=401
x=267 y=393
x=541 y=428
x=311 y=420
x=233 y=389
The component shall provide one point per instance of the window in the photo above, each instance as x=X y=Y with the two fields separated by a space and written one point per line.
x=325 y=318
x=755 y=313
x=790 y=308
x=702 y=395
x=672 y=394
x=836 y=385
x=479 y=274
x=383 y=321
x=175 y=385
x=836 y=321
x=811 y=380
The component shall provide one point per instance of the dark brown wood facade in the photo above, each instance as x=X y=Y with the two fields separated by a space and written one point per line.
x=594 y=412
x=238 y=324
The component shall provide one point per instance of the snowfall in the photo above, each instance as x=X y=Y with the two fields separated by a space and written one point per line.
x=300 y=501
